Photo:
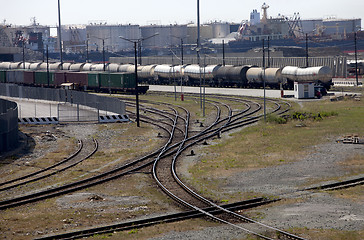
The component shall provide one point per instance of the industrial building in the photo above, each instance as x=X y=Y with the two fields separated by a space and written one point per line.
x=105 y=36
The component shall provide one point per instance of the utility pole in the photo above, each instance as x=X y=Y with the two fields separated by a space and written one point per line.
x=356 y=61
x=223 y=52
x=265 y=119
x=47 y=66
x=23 y=53
x=182 y=51
x=87 y=51
x=268 y=52
x=60 y=33
x=135 y=42
x=307 y=50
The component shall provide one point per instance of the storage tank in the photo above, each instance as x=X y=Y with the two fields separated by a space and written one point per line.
x=220 y=30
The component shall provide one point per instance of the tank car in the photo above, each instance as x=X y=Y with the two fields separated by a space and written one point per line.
x=16 y=65
x=273 y=77
x=124 y=67
x=221 y=76
x=66 y=66
x=5 y=65
x=237 y=76
x=193 y=73
x=321 y=75
x=113 y=67
x=77 y=67
x=35 y=66
x=146 y=73
x=254 y=76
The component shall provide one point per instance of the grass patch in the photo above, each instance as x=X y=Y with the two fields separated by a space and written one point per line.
x=270 y=144
x=328 y=234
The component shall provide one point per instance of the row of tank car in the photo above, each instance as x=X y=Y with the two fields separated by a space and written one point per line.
x=80 y=76
x=190 y=75
x=228 y=76
x=235 y=76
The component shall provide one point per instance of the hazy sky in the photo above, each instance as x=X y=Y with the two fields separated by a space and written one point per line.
x=142 y=12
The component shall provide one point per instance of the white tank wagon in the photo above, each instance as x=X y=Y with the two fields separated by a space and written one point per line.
x=5 y=65
x=194 y=72
x=87 y=67
x=130 y=69
x=254 y=76
x=319 y=75
x=43 y=66
x=113 y=67
x=124 y=67
x=273 y=77
x=66 y=66
x=77 y=67
x=147 y=72
x=35 y=66
x=55 y=66
x=162 y=71
x=18 y=65
x=98 y=67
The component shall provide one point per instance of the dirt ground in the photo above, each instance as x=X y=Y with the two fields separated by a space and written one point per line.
x=136 y=196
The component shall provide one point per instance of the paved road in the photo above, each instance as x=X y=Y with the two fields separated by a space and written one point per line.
x=224 y=91
x=39 y=108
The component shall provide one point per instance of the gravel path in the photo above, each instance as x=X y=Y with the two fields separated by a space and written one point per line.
x=319 y=210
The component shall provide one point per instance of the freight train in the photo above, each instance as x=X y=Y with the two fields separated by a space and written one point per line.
x=72 y=76
x=188 y=75
x=238 y=76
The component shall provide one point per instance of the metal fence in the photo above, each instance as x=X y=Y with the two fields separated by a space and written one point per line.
x=337 y=64
x=74 y=104
x=8 y=125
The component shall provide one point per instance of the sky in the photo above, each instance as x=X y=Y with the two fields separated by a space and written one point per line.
x=145 y=12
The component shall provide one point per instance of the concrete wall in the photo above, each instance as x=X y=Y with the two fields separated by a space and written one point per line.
x=8 y=125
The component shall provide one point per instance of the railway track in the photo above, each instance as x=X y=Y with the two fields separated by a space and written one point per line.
x=176 y=122
x=164 y=173
x=51 y=169
x=208 y=132
x=133 y=166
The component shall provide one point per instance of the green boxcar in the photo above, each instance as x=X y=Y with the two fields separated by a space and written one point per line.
x=2 y=76
x=93 y=80
x=115 y=81
x=112 y=80
x=130 y=80
x=42 y=79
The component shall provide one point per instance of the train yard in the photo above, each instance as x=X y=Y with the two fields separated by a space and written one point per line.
x=172 y=139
